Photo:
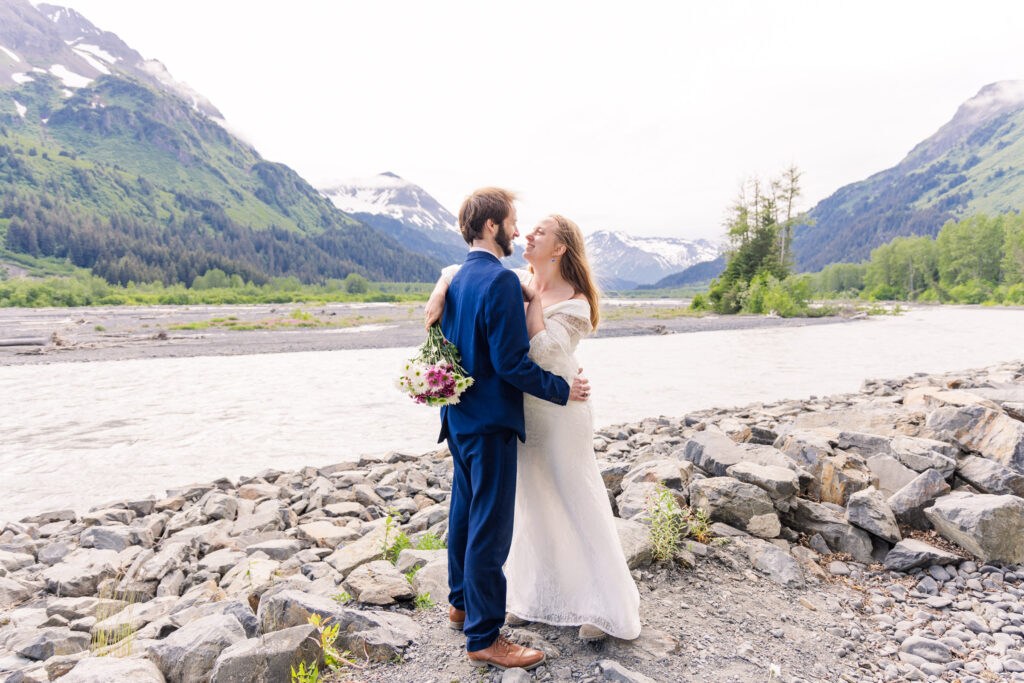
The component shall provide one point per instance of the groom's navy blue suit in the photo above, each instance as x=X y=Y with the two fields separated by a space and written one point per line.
x=484 y=318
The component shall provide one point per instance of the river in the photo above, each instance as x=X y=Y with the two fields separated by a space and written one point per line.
x=80 y=434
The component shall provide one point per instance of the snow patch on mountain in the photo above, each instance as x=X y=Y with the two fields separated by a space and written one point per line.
x=10 y=53
x=92 y=61
x=387 y=194
x=20 y=108
x=20 y=78
x=95 y=51
x=645 y=260
x=69 y=77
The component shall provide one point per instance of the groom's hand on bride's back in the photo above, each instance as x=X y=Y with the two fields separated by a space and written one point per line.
x=580 y=389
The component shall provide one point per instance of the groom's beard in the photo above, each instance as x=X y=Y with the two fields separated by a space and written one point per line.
x=504 y=241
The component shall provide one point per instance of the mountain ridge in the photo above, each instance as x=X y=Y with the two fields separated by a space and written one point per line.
x=973 y=163
x=143 y=169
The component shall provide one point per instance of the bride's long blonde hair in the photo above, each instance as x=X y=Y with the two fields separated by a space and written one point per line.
x=574 y=266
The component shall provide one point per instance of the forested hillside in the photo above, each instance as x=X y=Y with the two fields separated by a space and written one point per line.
x=973 y=164
x=135 y=182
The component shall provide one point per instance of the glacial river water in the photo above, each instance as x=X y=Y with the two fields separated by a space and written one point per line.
x=79 y=434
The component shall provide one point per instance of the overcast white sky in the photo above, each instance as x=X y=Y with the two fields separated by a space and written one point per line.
x=634 y=116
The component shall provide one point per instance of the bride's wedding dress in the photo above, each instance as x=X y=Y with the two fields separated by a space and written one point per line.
x=566 y=566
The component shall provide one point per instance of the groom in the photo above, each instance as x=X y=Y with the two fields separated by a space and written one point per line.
x=484 y=318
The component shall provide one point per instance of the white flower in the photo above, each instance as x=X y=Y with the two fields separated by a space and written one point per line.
x=773 y=671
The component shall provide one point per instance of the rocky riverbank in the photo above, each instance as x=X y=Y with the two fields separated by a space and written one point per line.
x=874 y=536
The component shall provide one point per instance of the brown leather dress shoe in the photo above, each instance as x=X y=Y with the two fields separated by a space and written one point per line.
x=505 y=655
x=456 y=618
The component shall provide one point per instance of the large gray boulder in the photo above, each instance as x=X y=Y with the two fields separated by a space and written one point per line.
x=381 y=635
x=378 y=583
x=883 y=419
x=990 y=527
x=988 y=476
x=668 y=471
x=713 y=451
x=925 y=454
x=108 y=669
x=220 y=561
x=189 y=653
x=613 y=671
x=115 y=537
x=910 y=554
x=293 y=608
x=733 y=502
x=12 y=592
x=868 y=510
x=270 y=657
x=12 y=562
x=367 y=549
x=842 y=475
x=155 y=566
x=43 y=643
x=633 y=501
x=891 y=475
x=635 y=539
x=410 y=558
x=80 y=572
x=840 y=536
x=777 y=482
x=249 y=574
x=808 y=449
x=991 y=433
x=911 y=501
x=326 y=534
x=778 y=565
x=432 y=578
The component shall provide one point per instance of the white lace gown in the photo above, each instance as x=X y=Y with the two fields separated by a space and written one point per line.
x=566 y=566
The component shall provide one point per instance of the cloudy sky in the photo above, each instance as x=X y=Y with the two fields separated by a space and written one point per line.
x=640 y=116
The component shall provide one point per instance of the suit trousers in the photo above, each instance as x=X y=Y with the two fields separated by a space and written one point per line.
x=480 y=530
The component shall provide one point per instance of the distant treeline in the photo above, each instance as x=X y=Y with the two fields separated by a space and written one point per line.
x=976 y=260
x=125 y=249
x=213 y=287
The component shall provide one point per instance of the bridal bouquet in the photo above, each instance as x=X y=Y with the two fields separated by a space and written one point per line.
x=433 y=376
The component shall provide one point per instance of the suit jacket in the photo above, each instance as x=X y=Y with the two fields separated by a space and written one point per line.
x=484 y=318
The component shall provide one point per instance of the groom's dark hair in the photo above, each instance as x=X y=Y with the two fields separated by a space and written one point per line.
x=491 y=203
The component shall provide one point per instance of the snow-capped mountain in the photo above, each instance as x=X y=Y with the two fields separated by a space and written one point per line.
x=620 y=259
x=404 y=211
x=47 y=39
x=387 y=194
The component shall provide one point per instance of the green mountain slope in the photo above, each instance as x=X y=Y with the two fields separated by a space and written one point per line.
x=973 y=164
x=128 y=178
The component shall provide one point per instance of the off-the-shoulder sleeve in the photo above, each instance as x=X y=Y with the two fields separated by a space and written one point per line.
x=448 y=272
x=553 y=346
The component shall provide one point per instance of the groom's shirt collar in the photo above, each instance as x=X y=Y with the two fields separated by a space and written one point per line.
x=477 y=252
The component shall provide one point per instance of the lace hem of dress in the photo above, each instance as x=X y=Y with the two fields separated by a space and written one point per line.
x=575 y=620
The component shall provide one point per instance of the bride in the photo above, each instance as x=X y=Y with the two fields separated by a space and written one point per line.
x=565 y=566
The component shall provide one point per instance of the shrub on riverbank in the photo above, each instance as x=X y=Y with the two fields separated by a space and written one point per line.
x=214 y=287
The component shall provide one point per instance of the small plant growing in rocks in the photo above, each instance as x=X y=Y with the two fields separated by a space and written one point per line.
x=325 y=636
x=424 y=602
x=116 y=641
x=304 y=675
x=429 y=541
x=697 y=524
x=667 y=522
